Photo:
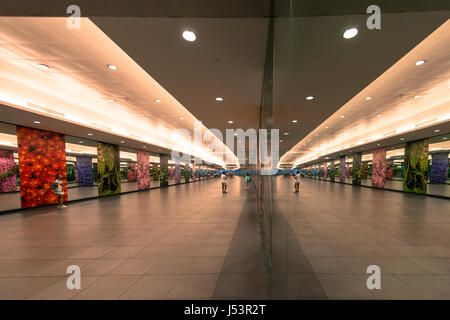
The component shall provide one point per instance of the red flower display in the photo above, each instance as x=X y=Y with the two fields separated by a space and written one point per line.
x=42 y=155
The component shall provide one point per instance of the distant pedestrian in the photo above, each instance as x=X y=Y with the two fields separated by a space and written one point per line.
x=223 y=179
x=297 y=182
x=248 y=179
x=58 y=189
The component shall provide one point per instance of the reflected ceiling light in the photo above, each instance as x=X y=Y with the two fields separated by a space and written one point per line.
x=219 y=99
x=420 y=62
x=369 y=98
x=230 y=122
x=158 y=100
x=378 y=144
x=445 y=138
x=37 y=122
x=90 y=134
x=294 y=121
x=350 y=33
x=417 y=96
x=402 y=138
x=122 y=141
x=112 y=67
x=189 y=36
x=80 y=141
x=309 y=97
x=43 y=66
x=437 y=130
x=286 y=133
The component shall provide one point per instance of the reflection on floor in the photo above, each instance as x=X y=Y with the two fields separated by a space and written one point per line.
x=432 y=189
x=193 y=242
x=187 y=241
x=11 y=201
x=325 y=237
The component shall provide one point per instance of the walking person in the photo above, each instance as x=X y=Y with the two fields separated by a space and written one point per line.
x=297 y=182
x=223 y=178
x=58 y=188
x=248 y=179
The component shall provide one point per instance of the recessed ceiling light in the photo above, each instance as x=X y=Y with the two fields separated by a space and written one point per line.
x=286 y=133
x=379 y=115
x=369 y=98
x=90 y=134
x=326 y=127
x=80 y=141
x=37 y=122
x=445 y=138
x=189 y=36
x=111 y=66
x=145 y=118
x=144 y=146
x=181 y=118
x=235 y=134
x=122 y=141
x=420 y=62
x=230 y=122
x=317 y=134
x=294 y=121
x=281 y=140
x=309 y=97
x=158 y=100
x=437 y=130
x=402 y=138
x=350 y=33
x=342 y=116
x=378 y=144
x=219 y=99
x=111 y=100
x=417 y=97
x=43 y=66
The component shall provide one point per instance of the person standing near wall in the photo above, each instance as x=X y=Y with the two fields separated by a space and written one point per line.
x=58 y=188
x=223 y=178
x=297 y=182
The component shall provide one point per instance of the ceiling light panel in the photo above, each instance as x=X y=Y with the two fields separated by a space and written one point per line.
x=80 y=78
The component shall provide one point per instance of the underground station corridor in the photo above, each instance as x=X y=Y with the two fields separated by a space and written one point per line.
x=224 y=158
x=144 y=246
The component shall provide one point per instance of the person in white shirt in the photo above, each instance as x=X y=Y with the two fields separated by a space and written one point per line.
x=223 y=178
x=297 y=182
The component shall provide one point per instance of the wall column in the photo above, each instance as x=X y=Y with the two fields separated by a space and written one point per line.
x=439 y=166
x=108 y=159
x=332 y=170
x=42 y=155
x=379 y=167
x=342 y=169
x=177 y=172
x=84 y=171
x=416 y=166
x=143 y=169
x=356 y=170
x=164 y=169
x=325 y=170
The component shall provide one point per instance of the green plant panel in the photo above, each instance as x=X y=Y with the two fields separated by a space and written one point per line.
x=108 y=169
x=416 y=166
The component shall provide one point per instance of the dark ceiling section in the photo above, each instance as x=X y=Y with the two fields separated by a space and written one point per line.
x=140 y=8
x=213 y=8
x=310 y=8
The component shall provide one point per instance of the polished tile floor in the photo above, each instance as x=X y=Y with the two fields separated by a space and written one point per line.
x=193 y=242
x=325 y=237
